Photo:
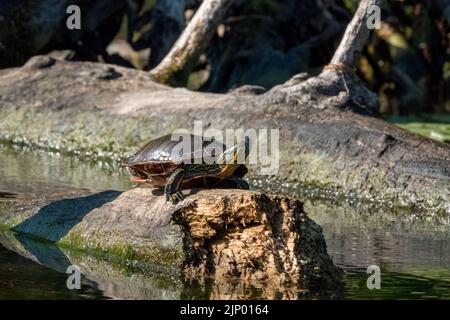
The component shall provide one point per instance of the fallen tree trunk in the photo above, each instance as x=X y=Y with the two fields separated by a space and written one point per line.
x=226 y=235
x=330 y=136
x=329 y=139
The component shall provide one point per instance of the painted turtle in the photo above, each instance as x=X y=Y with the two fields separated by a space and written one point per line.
x=156 y=165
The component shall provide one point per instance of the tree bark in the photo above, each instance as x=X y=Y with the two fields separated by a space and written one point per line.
x=182 y=58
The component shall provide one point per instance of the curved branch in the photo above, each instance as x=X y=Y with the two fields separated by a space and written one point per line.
x=183 y=56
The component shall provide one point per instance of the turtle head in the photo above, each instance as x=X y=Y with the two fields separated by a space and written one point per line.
x=138 y=175
x=237 y=153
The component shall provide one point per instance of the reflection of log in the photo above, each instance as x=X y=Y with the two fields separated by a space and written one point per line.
x=112 y=278
x=224 y=234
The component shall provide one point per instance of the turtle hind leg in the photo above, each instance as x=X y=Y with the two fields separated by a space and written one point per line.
x=172 y=190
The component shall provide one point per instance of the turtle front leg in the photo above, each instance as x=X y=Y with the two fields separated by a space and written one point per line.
x=240 y=183
x=172 y=190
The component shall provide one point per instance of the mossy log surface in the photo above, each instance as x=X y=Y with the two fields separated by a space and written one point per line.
x=223 y=235
x=330 y=137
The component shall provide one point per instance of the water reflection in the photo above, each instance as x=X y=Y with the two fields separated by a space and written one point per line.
x=22 y=278
x=38 y=172
x=362 y=237
x=102 y=278
x=413 y=253
x=116 y=278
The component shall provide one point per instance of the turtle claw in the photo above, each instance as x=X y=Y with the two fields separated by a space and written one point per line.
x=175 y=198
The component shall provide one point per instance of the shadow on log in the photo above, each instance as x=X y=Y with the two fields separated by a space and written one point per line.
x=225 y=236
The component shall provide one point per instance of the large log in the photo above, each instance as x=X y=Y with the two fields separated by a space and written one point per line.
x=224 y=235
x=329 y=137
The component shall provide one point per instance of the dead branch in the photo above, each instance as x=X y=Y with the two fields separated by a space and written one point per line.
x=355 y=37
x=167 y=22
x=183 y=56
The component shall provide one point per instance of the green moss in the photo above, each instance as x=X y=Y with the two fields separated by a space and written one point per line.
x=117 y=136
x=11 y=221
x=118 y=247
x=111 y=138
x=339 y=179
x=436 y=131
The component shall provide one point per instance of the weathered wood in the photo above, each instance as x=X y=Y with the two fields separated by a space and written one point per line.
x=329 y=138
x=355 y=36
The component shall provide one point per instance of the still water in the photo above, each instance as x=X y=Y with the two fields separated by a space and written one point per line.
x=412 y=253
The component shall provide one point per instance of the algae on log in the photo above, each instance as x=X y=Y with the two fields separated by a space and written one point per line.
x=225 y=235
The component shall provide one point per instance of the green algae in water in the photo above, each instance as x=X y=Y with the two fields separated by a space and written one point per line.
x=435 y=127
x=396 y=285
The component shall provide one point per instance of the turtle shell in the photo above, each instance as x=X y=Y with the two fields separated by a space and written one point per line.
x=156 y=161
